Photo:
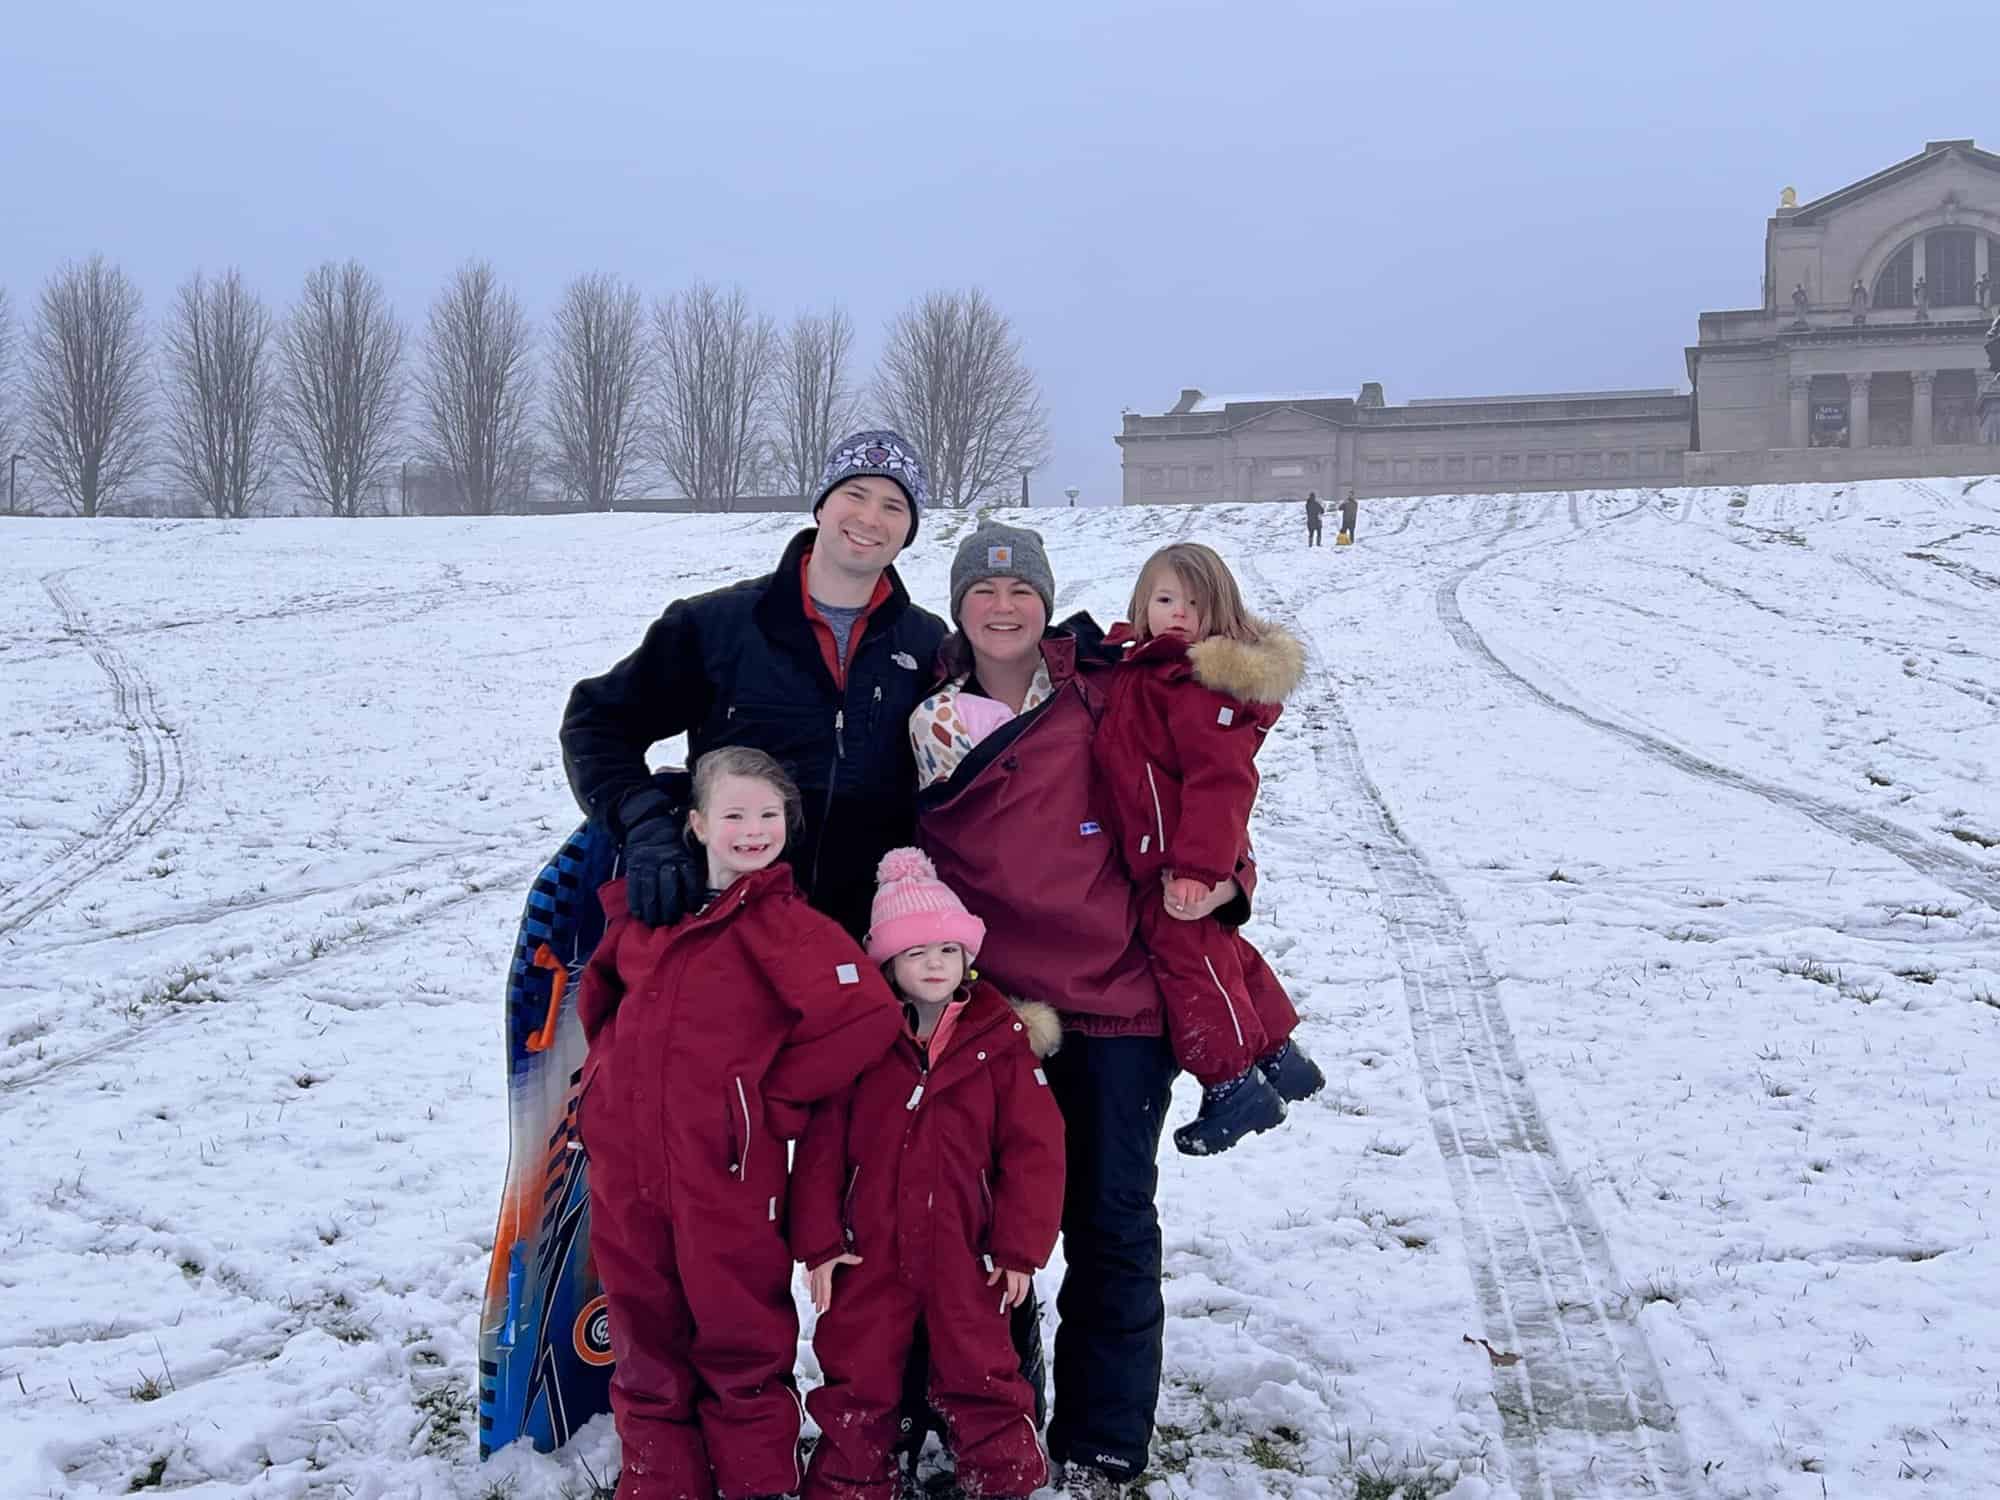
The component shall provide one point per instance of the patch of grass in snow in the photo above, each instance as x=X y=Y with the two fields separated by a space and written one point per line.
x=1918 y=976
x=154 y=1475
x=1559 y=877
x=1973 y=836
x=445 y=1408
x=1274 y=1451
x=1986 y=997
x=1398 y=1484
x=1810 y=968
x=590 y=1487
x=1661 y=1286
x=187 y=985
x=1928 y=910
x=1876 y=778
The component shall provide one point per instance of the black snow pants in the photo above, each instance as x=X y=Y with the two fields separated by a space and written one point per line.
x=1114 y=1093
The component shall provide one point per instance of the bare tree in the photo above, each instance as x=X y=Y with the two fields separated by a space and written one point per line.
x=10 y=396
x=598 y=367
x=221 y=393
x=342 y=386
x=952 y=380
x=814 y=404
x=88 y=418
x=477 y=389
x=715 y=359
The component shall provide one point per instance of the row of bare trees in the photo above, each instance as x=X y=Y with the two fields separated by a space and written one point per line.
x=706 y=392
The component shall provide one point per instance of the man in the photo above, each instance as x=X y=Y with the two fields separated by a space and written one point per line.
x=1348 y=509
x=1314 y=510
x=818 y=664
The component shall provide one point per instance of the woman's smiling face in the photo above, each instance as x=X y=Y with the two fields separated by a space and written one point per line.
x=1003 y=620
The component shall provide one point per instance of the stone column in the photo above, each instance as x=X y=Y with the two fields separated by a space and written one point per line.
x=1920 y=408
x=1857 y=411
x=1800 y=387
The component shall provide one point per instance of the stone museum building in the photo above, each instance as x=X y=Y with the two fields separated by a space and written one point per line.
x=1864 y=361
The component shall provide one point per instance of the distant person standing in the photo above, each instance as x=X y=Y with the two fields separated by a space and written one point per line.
x=1348 y=508
x=1314 y=510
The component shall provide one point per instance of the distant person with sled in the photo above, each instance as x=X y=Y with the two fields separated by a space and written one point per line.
x=1348 y=510
x=930 y=1190
x=749 y=1009
x=1200 y=686
x=1011 y=813
x=1314 y=510
x=818 y=663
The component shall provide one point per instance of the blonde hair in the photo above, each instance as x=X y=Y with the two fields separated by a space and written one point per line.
x=741 y=760
x=1204 y=575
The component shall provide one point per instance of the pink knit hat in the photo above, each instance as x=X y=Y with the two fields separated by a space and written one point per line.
x=913 y=907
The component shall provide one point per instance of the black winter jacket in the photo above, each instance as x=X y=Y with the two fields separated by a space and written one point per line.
x=742 y=666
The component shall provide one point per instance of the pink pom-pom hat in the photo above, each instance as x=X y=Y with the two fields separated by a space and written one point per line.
x=913 y=907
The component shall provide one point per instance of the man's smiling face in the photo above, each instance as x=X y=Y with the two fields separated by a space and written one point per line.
x=863 y=523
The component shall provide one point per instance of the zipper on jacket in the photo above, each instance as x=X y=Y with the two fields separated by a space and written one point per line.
x=1159 y=818
x=986 y=1192
x=847 y=1202
x=743 y=1102
x=832 y=777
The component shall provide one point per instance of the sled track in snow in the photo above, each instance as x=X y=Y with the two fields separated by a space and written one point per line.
x=159 y=775
x=1583 y=1412
x=1950 y=869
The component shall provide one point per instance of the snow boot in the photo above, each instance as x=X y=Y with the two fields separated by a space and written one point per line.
x=1229 y=1111
x=1294 y=1075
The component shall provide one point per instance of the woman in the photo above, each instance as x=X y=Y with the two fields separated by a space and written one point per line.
x=1006 y=810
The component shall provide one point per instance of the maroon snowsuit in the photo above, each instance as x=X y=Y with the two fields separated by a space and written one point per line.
x=700 y=1034
x=1176 y=753
x=934 y=1172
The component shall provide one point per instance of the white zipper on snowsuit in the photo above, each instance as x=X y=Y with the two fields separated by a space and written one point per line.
x=1227 y=1002
x=743 y=1100
x=1159 y=818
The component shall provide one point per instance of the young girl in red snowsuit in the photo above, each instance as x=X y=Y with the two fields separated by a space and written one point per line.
x=705 y=1038
x=1189 y=706
x=935 y=1185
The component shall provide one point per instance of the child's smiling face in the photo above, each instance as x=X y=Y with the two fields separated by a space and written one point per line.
x=930 y=973
x=743 y=827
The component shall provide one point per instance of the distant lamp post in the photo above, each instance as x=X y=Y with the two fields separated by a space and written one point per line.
x=12 y=466
x=1072 y=492
x=1026 y=469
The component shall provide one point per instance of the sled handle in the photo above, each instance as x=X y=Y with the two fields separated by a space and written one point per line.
x=545 y=958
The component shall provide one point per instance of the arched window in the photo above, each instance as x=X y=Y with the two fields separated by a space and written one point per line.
x=1892 y=285
x=1948 y=267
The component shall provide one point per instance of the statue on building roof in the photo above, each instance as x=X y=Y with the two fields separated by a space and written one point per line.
x=1857 y=298
x=1788 y=198
x=1920 y=298
x=1799 y=300
x=1982 y=291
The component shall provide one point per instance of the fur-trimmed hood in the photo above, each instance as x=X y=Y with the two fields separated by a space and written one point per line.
x=1267 y=670
x=1044 y=1026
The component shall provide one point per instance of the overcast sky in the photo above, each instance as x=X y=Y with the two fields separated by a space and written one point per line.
x=1451 y=199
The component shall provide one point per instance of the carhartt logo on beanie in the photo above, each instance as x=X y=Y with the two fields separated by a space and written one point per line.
x=913 y=908
x=884 y=454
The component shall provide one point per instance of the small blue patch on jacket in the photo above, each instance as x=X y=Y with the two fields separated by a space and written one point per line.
x=1087 y=829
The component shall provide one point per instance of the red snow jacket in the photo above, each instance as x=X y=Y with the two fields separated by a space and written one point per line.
x=1176 y=752
x=716 y=1032
x=958 y=1156
x=1018 y=830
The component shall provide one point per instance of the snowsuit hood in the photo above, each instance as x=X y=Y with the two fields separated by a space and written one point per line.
x=1266 y=670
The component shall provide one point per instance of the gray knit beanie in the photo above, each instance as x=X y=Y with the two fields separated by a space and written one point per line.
x=1000 y=551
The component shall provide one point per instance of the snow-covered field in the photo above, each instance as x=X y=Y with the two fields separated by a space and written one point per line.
x=1636 y=856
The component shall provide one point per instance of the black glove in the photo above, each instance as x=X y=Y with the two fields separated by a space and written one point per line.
x=664 y=879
